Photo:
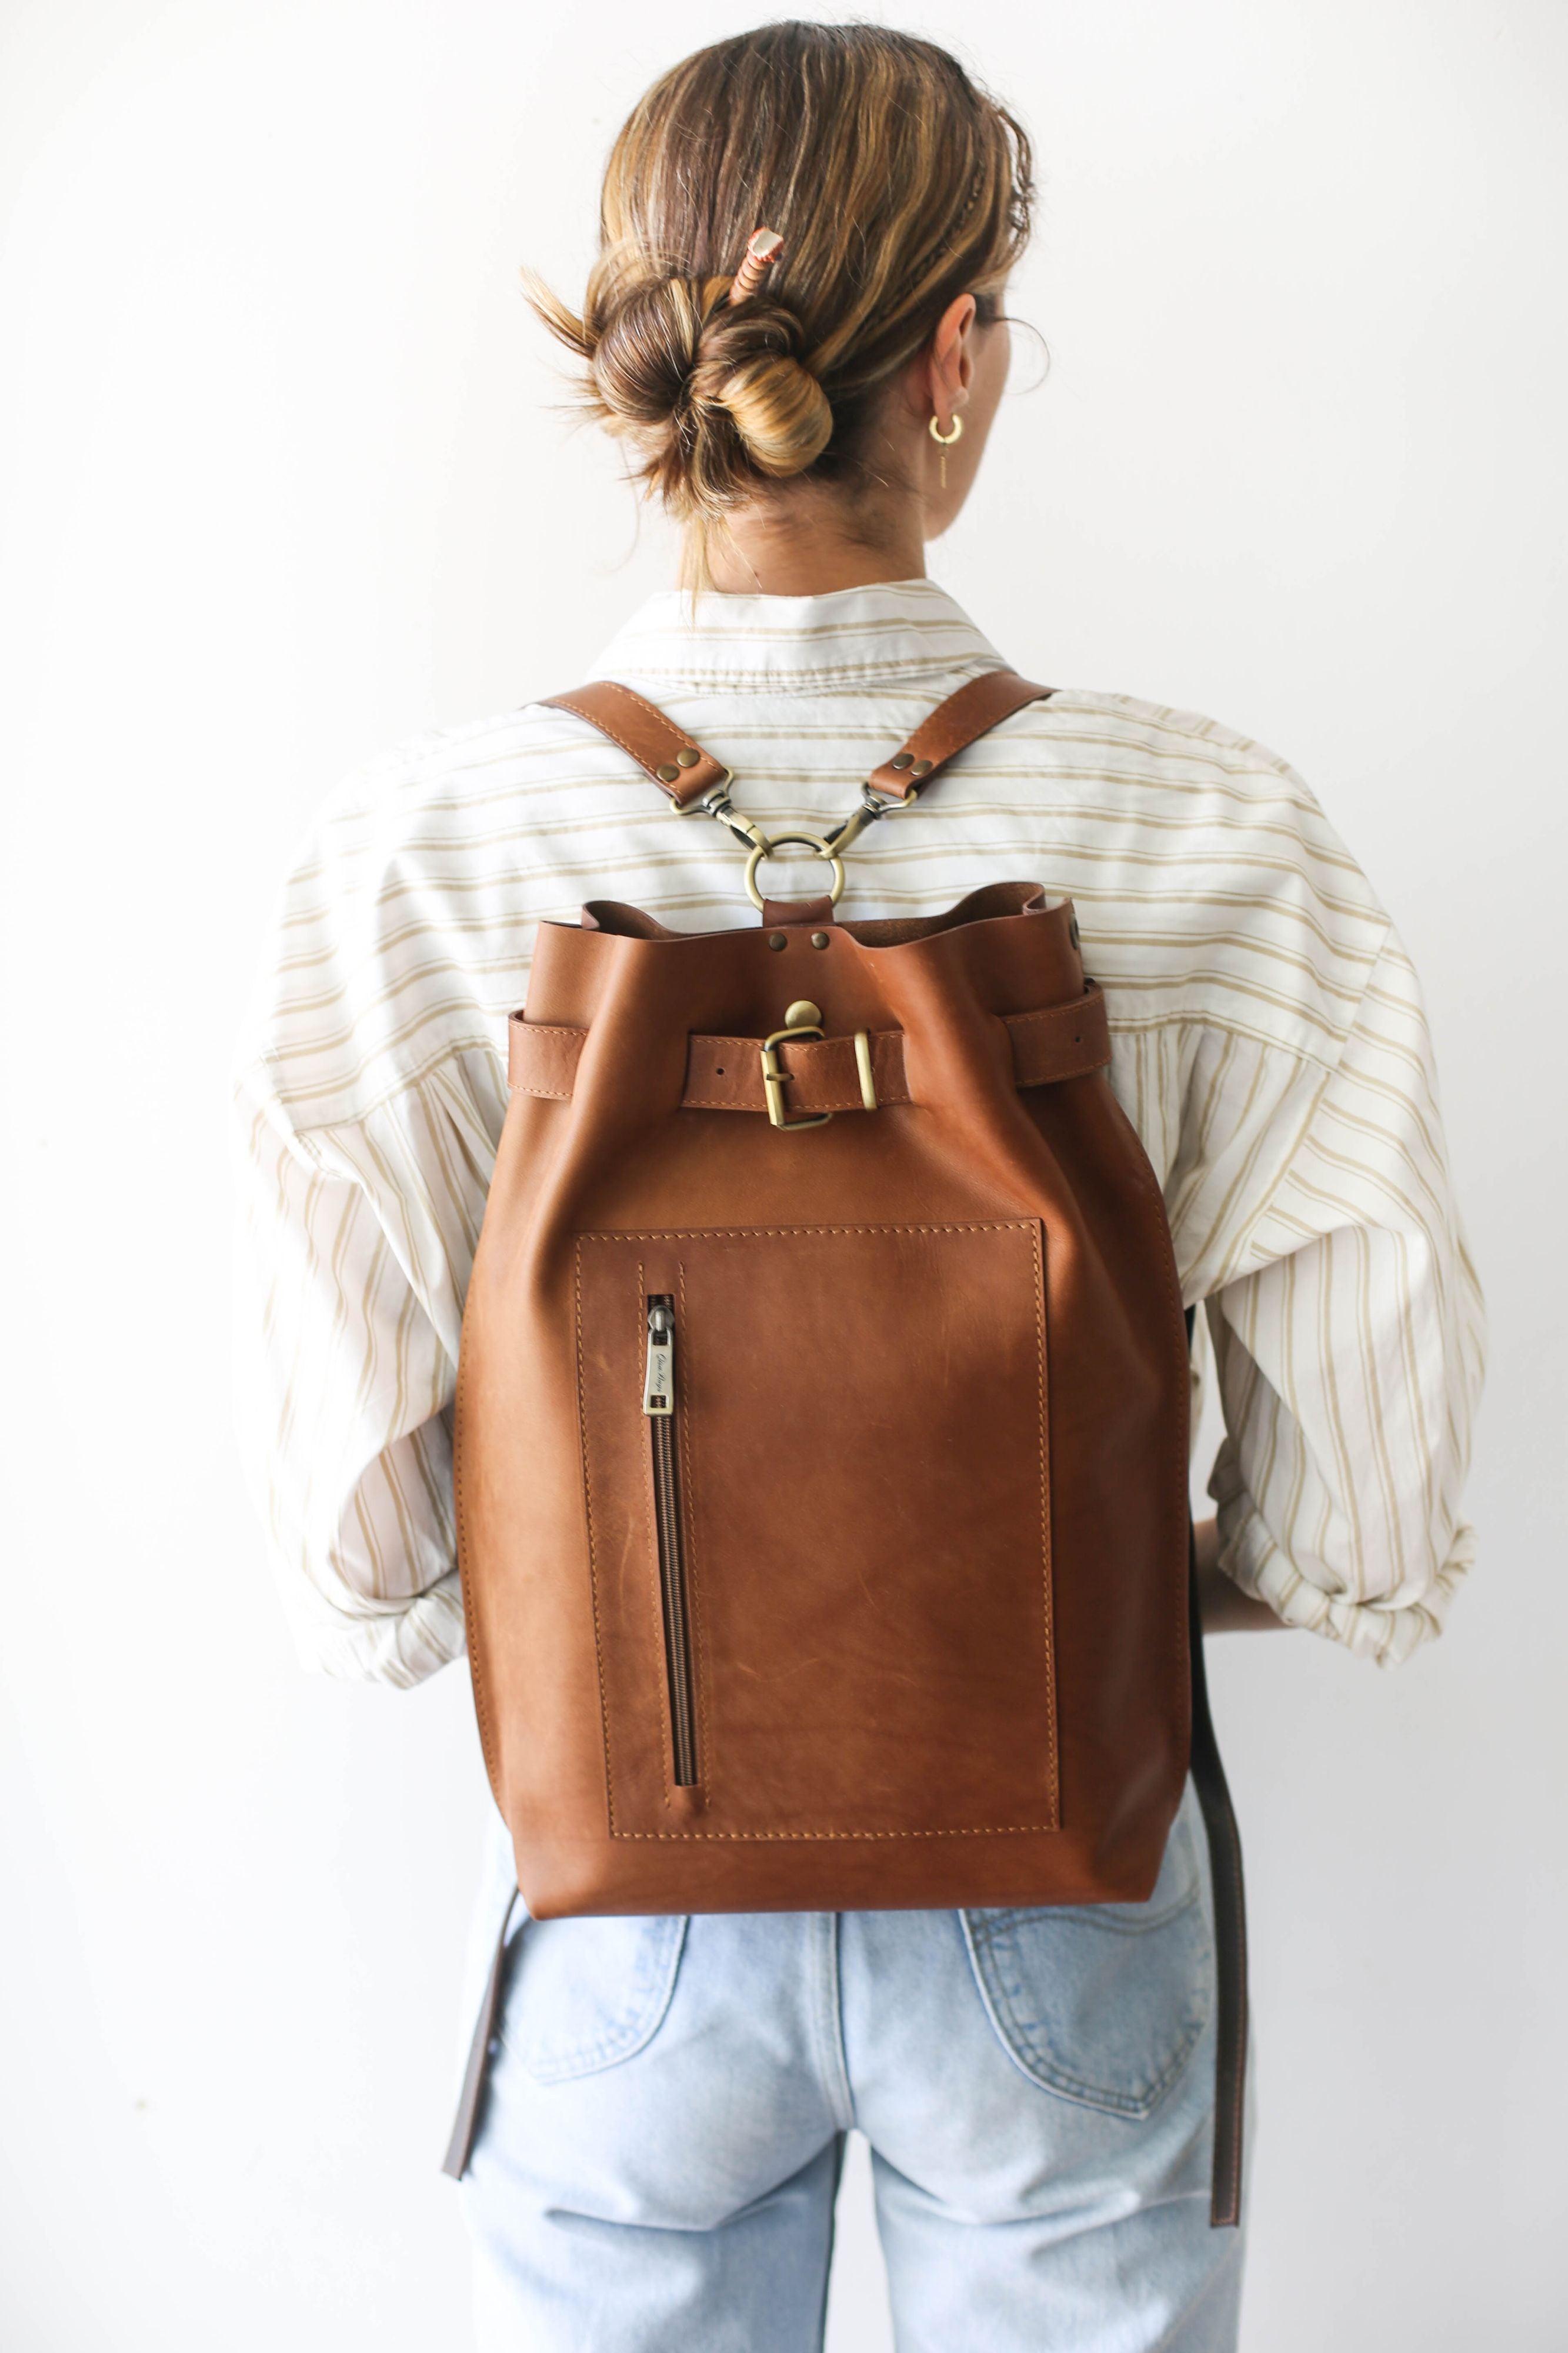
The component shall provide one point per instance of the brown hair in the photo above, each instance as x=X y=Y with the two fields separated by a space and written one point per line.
x=896 y=185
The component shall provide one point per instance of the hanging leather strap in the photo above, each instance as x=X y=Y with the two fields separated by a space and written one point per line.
x=471 y=2098
x=680 y=767
x=1229 y=1917
x=1059 y=1042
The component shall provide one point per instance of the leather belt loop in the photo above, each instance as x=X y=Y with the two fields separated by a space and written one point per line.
x=823 y=1074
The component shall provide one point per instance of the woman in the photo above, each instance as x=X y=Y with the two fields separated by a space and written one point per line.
x=796 y=324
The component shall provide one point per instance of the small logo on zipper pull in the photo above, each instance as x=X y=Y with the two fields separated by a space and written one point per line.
x=659 y=1381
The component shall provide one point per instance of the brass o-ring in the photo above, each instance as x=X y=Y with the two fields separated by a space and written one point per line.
x=772 y=842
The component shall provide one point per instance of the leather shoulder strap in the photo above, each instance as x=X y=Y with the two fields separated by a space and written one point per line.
x=950 y=728
x=680 y=767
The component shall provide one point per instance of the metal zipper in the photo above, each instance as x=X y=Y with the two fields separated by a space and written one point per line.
x=658 y=1405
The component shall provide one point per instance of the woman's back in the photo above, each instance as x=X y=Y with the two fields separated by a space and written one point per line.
x=1268 y=1045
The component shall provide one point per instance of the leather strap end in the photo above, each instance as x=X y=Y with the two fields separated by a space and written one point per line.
x=471 y=2099
x=956 y=723
x=678 y=765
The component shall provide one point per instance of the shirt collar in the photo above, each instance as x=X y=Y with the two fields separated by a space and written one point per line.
x=893 y=632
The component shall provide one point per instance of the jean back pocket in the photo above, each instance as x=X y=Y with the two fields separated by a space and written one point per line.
x=1102 y=2003
x=587 y=1993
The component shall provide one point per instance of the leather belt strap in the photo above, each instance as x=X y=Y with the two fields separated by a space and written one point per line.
x=1059 y=1042
x=681 y=769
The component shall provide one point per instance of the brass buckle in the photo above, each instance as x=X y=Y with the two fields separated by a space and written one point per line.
x=774 y=1078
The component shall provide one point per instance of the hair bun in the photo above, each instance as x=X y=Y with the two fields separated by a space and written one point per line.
x=749 y=367
x=715 y=393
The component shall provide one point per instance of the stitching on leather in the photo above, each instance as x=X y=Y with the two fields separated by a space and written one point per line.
x=593 y=1571
x=817 y=1103
x=1045 y=1554
x=543 y=1029
x=982 y=1830
x=944 y=743
x=663 y=718
x=616 y=737
x=796 y=1233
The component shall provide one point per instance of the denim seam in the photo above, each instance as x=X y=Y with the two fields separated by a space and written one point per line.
x=1089 y=1916
x=828 y=2023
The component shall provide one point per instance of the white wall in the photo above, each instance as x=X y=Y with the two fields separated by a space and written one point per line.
x=278 y=489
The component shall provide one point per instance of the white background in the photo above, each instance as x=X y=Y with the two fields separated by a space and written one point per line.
x=281 y=487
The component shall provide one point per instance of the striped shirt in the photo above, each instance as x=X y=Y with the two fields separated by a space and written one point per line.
x=1269 y=1043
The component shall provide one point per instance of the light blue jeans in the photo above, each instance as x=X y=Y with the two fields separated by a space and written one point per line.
x=661 y=2139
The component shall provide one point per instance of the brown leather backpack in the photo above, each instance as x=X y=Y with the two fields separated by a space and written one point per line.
x=822 y=1416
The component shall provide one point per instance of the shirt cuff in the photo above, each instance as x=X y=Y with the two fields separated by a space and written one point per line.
x=1387 y=1630
x=400 y=1647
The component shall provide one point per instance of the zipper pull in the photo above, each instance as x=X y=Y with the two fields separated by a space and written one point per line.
x=659 y=1382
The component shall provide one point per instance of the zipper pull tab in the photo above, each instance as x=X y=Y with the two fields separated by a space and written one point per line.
x=659 y=1382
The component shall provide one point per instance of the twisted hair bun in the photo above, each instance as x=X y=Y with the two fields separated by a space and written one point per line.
x=749 y=369
x=713 y=394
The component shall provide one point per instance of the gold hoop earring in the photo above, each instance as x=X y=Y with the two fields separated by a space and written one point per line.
x=944 y=441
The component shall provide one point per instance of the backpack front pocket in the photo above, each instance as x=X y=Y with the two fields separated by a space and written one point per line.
x=803 y=1630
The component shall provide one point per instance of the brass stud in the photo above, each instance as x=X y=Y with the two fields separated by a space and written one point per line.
x=687 y=759
x=667 y=772
x=776 y=940
x=923 y=768
x=803 y=1015
x=819 y=939
x=900 y=759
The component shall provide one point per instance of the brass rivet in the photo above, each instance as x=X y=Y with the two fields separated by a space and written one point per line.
x=667 y=772
x=776 y=939
x=900 y=759
x=687 y=759
x=819 y=939
x=803 y=1015
x=923 y=768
